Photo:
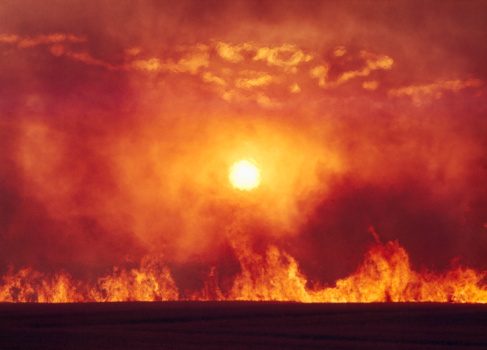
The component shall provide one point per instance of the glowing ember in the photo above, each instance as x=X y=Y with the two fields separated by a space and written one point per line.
x=244 y=175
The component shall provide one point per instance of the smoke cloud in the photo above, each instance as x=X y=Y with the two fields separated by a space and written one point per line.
x=119 y=122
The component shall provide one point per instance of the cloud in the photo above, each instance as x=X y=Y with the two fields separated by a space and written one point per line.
x=210 y=78
x=286 y=56
x=369 y=62
x=320 y=73
x=339 y=51
x=196 y=59
x=86 y=58
x=421 y=94
x=27 y=42
x=294 y=88
x=152 y=64
x=372 y=62
x=232 y=83
x=8 y=38
x=251 y=79
x=370 y=85
x=232 y=53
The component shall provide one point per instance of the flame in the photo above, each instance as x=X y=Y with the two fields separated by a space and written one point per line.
x=384 y=276
x=204 y=130
x=28 y=285
x=151 y=282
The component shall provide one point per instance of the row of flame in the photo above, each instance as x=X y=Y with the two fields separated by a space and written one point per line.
x=385 y=275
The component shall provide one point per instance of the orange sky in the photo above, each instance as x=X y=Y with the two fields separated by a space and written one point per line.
x=119 y=122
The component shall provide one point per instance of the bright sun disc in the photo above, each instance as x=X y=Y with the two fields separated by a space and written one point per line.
x=244 y=175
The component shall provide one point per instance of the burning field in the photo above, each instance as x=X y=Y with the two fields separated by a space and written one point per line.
x=301 y=151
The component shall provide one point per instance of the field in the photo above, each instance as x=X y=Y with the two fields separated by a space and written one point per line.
x=242 y=325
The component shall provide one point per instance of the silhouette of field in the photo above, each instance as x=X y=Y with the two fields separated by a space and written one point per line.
x=242 y=325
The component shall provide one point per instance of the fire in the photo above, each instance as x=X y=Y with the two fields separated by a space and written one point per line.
x=384 y=276
x=250 y=144
x=28 y=285
x=150 y=282
x=245 y=175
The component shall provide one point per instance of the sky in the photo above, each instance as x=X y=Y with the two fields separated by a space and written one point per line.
x=120 y=120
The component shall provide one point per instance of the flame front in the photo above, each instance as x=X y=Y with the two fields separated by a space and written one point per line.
x=384 y=276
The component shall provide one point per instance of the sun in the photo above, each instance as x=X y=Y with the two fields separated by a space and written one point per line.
x=244 y=175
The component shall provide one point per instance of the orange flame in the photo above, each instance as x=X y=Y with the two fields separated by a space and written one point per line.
x=29 y=285
x=384 y=276
x=151 y=282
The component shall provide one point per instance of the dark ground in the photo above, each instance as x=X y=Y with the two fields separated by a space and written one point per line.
x=242 y=325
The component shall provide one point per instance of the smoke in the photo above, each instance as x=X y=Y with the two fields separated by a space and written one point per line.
x=120 y=120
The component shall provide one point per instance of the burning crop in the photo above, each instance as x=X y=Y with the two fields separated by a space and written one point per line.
x=246 y=151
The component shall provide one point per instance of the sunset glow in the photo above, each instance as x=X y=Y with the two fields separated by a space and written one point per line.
x=307 y=151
